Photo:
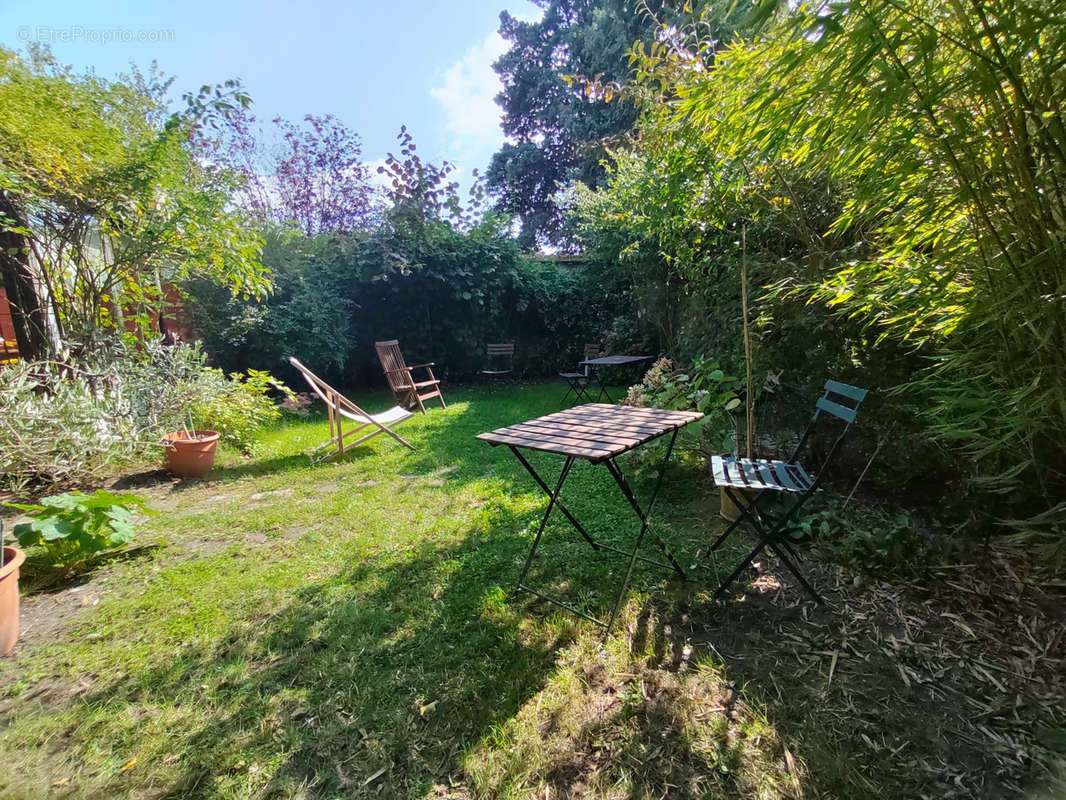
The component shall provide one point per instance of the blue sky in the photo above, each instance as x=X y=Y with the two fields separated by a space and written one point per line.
x=374 y=65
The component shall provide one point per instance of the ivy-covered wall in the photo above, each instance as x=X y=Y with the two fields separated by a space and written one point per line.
x=444 y=299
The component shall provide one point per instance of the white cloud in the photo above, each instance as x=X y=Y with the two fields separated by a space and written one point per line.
x=467 y=97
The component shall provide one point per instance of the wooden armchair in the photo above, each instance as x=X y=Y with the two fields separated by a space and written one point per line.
x=401 y=378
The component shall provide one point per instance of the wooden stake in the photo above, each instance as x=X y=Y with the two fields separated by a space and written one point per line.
x=749 y=398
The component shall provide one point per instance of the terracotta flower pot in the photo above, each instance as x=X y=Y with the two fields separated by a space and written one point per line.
x=191 y=455
x=9 y=598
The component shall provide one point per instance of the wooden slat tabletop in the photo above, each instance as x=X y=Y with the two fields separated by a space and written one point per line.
x=596 y=431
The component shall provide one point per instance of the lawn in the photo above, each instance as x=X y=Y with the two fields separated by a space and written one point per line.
x=350 y=628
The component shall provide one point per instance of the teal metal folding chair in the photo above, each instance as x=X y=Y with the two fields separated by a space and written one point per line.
x=733 y=475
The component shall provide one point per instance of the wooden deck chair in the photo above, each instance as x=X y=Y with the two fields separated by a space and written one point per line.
x=405 y=388
x=340 y=407
x=500 y=360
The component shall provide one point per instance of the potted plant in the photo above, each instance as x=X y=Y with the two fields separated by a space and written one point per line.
x=11 y=559
x=215 y=407
x=190 y=453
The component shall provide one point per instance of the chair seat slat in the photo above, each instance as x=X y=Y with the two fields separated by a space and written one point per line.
x=743 y=473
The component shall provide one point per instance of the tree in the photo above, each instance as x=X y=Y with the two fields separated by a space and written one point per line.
x=914 y=153
x=308 y=313
x=310 y=175
x=561 y=104
x=106 y=198
x=556 y=132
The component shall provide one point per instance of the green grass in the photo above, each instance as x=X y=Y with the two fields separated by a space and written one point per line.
x=350 y=629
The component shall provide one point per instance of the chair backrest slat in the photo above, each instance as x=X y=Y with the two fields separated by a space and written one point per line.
x=392 y=362
x=841 y=400
x=500 y=349
x=837 y=410
x=843 y=389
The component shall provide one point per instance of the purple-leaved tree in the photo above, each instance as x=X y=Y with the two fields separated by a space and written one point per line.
x=308 y=174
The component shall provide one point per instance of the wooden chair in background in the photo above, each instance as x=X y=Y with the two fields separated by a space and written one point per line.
x=401 y=378
x=500 y=360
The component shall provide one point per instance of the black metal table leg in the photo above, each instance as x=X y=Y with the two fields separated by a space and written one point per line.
x=547 y=513
x=558 y=503
x=643 y=514
x=620 y=479
x=603 y=388
x=645 y=518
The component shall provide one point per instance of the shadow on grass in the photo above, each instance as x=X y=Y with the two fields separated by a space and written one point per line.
x=395 y=674
x=383 y=673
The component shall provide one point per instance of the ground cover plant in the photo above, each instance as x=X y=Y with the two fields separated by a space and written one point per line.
x=349 y=630
x=72 y=528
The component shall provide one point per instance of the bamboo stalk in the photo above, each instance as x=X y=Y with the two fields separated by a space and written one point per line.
x=749 y=399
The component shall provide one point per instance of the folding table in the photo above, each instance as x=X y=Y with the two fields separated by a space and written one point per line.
x=609 y=361
x=598 y=433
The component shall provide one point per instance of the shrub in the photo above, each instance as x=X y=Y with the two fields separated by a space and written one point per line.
x=298 y=404
x=705 y=388
x=170 y=387
x=153 y=379
x=444 y=295
x=871 y=538
x=236 y=406
x=62 y=425
x=74 y=527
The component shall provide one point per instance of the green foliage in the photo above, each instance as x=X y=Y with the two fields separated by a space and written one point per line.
x=703 y=387
x=236 y=406
x=66 y=425
x=74 y=527
x=310 y=310
x=170 y=388
x=444 y=293
x=109 y=190
x=563 y=100
x=898 y=169
x=882 y=540
x=62 y=425
x=940 y=125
